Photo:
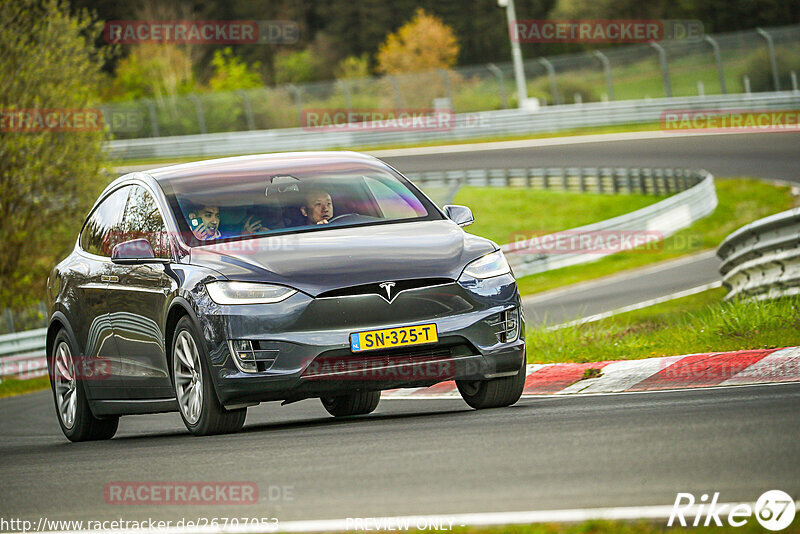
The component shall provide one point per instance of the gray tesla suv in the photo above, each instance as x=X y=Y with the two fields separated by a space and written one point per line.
x=209 y=287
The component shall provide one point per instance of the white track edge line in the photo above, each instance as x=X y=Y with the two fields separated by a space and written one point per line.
x=620 y=513
x=637 y=306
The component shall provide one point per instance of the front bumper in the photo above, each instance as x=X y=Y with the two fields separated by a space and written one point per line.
x=305 y=349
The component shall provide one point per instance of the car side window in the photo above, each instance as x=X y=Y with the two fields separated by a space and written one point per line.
x=142 y=220
x=103 y=228
x=391 y=203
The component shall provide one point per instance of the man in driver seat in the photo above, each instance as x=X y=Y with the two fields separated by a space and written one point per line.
x=317 y=207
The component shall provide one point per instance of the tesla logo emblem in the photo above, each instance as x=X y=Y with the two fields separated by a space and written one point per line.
x=387 y=286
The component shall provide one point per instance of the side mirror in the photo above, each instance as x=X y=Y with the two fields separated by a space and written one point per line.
x=461 y=215
x=135 y=251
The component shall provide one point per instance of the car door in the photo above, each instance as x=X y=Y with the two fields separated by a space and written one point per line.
x=98 y=363
x=139 y=297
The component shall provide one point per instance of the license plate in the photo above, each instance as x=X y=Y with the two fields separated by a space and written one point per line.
x=394 y=337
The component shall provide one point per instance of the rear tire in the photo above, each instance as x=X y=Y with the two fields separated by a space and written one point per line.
x=198 y=404
x=359 y=403
x=495 y=393
x=69 y=395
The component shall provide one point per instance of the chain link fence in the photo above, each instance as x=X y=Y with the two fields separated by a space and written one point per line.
x=740 y=62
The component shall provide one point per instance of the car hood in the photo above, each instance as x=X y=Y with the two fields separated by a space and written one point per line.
x=319 y=261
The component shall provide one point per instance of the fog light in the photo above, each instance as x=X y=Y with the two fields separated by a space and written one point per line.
x=243 y=355
x=506 y=325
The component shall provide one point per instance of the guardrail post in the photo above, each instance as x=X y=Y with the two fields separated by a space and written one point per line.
x=298 y=102
x=248 y=109
x=641 y=187
x=564 y=180
x=447 y=89
x=9 y=317
x=501 y=83
x=551 y=75
x=347 y=99
x=600 y=186
x=662 y=58
x=545 y=179
x=398 y=97
x=581 y=180
x=151 y=109
x=718 y=60
x=607 y=71
x=773 y=63
x=793 y=74
x=201 y=118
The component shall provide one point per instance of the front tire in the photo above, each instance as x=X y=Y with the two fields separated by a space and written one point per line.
x=359 y=403
x=495 y=393
x=200 y=409
x=75 y=418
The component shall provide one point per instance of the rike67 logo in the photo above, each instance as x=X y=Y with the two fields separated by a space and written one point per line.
x=774 y=510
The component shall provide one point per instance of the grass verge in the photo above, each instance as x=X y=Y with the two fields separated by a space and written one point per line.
x=12 y=386
x=501 y=214
x=741 y=200
x=698 y=323
x=625 y=527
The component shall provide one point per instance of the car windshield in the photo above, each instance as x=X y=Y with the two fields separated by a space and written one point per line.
x=297 y=198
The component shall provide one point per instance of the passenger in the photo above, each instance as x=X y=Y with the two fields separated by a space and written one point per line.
x=317 y=207
x=204 y=222
x=252 y=225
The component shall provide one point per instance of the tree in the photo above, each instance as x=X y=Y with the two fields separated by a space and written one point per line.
x=295 y=66
x=231 y=73
x=353 y=67
x=48 y=179
x=154 y=70
x=423 y=43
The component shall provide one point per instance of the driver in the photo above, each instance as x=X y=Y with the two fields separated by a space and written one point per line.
x=317 y=207
x=204 y=221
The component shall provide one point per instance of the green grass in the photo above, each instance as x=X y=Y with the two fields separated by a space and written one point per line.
x=698 y=323
x=501 y=214
x=626 y=527
x=12 y=386
x=741 y=201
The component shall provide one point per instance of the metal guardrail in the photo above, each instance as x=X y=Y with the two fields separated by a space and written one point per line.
x=22 y=355
x=696 y=199
x=762 y=259
x=464 y=126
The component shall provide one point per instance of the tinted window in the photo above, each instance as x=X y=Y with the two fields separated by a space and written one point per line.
x=390 y=200
x=142 y=220
x=293 y=196
x=103 y=229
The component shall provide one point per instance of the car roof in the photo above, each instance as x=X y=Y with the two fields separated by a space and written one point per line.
x=255 y=163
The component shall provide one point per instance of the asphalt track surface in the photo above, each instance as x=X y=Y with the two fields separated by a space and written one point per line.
x=614 y=292
x=420 y=456
x=763 y=155
x=438 y=456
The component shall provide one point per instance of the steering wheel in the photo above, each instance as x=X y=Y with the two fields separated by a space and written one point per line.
x=343 y=216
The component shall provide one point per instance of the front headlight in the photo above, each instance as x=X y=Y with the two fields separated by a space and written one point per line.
x=247 y=293
x=489 y=266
